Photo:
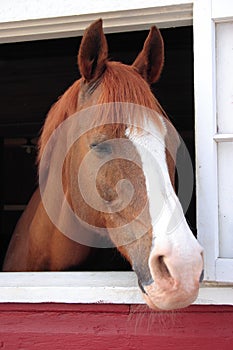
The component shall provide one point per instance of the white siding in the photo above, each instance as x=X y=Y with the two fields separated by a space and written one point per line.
x=22 y=20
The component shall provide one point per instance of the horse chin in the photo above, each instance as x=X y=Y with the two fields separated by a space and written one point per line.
x=168 y=300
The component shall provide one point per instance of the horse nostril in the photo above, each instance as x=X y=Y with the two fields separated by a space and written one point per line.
x=202 y=276
x=163 y=267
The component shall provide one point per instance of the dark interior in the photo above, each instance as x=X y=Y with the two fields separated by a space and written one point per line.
x=34 y=74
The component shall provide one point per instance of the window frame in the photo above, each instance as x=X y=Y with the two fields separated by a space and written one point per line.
x=205 y=19
x=128 y=17
x=121 y=287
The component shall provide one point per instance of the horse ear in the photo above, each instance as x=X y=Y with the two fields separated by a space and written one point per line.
x=93 y=52
x=149 y=62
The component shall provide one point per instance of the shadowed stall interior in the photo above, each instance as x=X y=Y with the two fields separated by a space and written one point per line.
x=35 y=74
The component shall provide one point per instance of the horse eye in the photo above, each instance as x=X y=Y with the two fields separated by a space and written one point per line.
x=102 y=147
x=93 y=145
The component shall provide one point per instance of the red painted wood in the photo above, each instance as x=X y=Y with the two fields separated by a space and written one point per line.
x=100 y=327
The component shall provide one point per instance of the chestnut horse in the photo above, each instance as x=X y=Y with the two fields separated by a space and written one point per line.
x=121 y=164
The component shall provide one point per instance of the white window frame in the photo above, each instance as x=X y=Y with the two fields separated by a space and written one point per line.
x=206 y=16
x=121 y=287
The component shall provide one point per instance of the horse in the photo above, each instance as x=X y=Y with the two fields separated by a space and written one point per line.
x=108 y=178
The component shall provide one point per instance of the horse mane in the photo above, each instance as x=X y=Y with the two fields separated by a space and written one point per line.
x=119 y=83
x=62 y=109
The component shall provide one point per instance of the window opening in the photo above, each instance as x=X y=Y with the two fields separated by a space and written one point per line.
x=35 y=74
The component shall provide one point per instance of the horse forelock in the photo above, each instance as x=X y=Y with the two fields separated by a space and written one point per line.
x=119 y=83
x=122 y=84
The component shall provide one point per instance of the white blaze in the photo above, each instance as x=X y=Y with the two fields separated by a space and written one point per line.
x=169 y=227
x=176 y=285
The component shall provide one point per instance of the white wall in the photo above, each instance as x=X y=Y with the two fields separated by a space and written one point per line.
x=18 y=10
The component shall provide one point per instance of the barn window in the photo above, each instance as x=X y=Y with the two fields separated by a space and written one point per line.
x=126 y=32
